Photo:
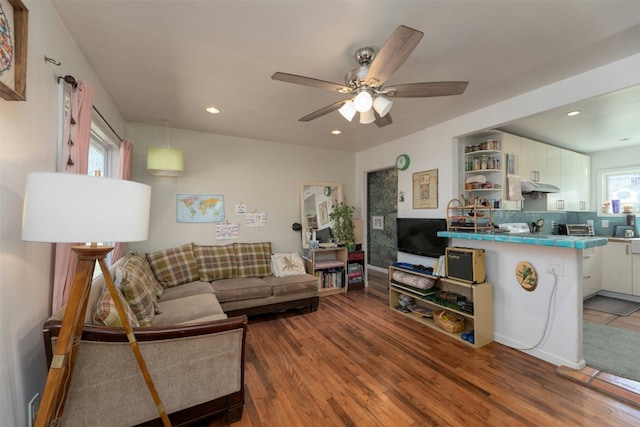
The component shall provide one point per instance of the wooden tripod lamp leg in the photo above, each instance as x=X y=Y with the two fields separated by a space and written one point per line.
x=133 y=342
x=64 y=354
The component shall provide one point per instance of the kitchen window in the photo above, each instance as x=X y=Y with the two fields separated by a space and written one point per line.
x=619 y=184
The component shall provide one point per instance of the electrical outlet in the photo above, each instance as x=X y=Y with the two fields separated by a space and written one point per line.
x=552 y=267
x=605 y=223
x=32 y=409
x=590 y=222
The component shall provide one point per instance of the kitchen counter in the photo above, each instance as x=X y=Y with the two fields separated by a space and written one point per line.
x=572 y=242
x=520 y=315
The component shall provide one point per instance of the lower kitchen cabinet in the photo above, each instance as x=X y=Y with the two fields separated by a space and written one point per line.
x=636 y=274
x=591 y=271
x=617 y=267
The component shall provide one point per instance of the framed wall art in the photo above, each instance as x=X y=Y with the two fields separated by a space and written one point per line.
x=13 y=50
x=377 y=222
x=425 y=189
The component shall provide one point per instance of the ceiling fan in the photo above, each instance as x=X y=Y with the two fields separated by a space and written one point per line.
x=365 y=82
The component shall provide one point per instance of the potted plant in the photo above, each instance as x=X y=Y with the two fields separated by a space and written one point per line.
x=342 y=218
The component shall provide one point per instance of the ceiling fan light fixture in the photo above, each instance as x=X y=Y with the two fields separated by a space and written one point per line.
x=348 y=110
x=382 y=105
x=367 y=117
x=363 y=101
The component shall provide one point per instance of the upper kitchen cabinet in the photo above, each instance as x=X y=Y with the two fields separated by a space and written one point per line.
x=540 y=162
x=575 y=176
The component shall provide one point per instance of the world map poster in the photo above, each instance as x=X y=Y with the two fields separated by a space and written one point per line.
x=193 y=208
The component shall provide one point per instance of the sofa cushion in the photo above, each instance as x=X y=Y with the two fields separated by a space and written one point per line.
x=137 y=291
x=142 y=267
x=292 y=284
x=175 y=266
x=241 y=288
x=215 y=262
x=193 y=288
x=283 y=265
x=105 y=313
x=253 y=259
x=188 y=310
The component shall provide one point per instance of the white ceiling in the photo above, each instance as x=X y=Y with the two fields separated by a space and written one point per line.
x=165 y=61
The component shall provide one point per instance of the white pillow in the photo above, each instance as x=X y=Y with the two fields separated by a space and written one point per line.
x=284 y=265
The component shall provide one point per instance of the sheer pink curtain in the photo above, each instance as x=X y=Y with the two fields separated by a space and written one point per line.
x=124 y=172
x=74 y=159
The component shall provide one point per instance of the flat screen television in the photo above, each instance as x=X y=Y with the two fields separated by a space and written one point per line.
x=419 y=236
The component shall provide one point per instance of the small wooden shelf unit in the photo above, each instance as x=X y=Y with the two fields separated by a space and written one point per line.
x=481 y=294
x=329 y=265
x=468 y=217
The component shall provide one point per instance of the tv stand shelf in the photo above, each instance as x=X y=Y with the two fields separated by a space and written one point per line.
x=481 y=294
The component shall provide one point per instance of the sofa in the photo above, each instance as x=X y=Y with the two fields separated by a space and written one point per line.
x=189 y=308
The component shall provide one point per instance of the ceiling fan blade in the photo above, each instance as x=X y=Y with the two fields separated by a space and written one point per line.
x=426 y=89
x=308 y=81
x=392 y=55
x=383 y=121
x=323 y=111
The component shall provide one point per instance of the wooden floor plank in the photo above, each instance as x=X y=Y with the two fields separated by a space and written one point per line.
x=356 y=362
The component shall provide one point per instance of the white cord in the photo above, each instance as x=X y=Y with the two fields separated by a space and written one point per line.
x=546 y=323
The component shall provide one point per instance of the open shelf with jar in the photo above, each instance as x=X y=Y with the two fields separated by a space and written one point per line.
x=471 y=302
x=483 y=166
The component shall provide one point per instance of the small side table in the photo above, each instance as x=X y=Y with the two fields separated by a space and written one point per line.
x=356 y=270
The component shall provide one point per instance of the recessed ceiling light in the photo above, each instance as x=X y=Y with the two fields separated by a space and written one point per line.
x=573 y=113
x=336 y=132
x=212 y=110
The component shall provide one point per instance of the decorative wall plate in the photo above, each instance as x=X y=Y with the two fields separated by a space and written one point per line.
x=527 y=276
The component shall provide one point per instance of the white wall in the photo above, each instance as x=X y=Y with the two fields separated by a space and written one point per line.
x=263 y=175
x=28 y=132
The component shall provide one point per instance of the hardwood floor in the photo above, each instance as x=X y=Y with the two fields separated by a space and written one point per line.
x=355 y=362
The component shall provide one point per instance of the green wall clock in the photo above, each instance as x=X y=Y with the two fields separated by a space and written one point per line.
x=402 y=162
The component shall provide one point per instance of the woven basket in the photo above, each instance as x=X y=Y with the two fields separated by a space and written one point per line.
x=450 y=322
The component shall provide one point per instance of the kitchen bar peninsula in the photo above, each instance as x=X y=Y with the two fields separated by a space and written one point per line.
x=520 y=316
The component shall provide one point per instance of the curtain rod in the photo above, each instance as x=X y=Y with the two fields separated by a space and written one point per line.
x=73 y=82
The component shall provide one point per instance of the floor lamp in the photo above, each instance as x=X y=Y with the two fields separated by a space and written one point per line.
x=71 y=208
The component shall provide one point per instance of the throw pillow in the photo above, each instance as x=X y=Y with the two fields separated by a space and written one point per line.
x=175 y=266
x=215 y=262
x=105 y=312
x=138 y=295
x=253 y=259
x=283 y=265
x=141 y=268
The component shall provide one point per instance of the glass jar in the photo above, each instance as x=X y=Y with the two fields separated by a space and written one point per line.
x=476 y=163
x=483 y=162
x=491 y=163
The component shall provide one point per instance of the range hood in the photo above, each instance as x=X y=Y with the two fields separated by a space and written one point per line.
x=536 y=187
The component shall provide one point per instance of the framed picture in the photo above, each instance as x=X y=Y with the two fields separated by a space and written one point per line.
x=511 y=164
x=13 y=46
x=425 y=189
x=377 y=222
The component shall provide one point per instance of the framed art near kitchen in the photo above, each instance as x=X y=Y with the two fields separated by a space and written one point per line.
x=425 y=189
x=377 y=222
x=13 y=50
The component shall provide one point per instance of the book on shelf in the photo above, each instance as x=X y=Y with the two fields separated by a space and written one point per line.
x=438 y=268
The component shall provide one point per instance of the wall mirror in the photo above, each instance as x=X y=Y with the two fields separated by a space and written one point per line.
x=317 y=200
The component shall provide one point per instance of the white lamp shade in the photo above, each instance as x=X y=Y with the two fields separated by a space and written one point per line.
x=165 y=161
x=363 y=101
x=382 y=105
x=367 y=117
x=348 y=110
x=73 y=208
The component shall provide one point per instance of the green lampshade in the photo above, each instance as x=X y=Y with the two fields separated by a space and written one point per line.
x=165 y=161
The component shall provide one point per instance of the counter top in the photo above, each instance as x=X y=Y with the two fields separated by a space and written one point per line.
x=571 y=242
